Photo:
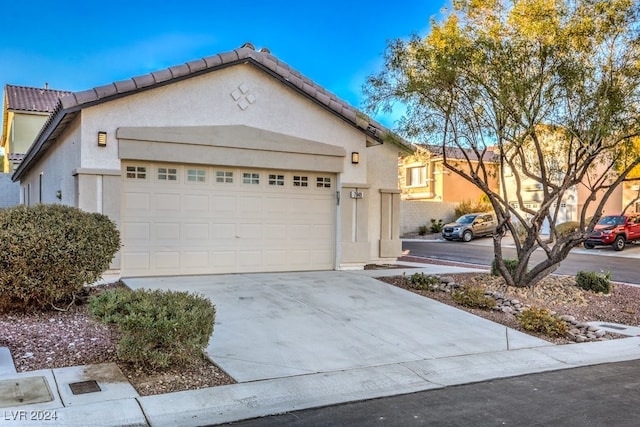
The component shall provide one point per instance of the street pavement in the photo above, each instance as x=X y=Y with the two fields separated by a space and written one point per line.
x=600 y=395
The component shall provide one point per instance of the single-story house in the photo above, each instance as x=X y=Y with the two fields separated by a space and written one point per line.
x=232 y=163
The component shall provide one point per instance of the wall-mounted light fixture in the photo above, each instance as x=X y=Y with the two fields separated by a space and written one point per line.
x=102 y=139
x=59 y=194
x=355 y=157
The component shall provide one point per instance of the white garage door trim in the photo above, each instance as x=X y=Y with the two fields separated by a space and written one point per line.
x=194 y=219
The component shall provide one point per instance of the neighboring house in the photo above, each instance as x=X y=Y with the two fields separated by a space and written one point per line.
x=423 y=176
x=25 y=110
x=232 y=163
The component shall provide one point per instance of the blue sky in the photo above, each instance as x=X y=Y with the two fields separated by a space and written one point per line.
x=76 y=45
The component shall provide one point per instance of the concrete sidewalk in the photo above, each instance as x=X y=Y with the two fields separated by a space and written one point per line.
x=302 y=340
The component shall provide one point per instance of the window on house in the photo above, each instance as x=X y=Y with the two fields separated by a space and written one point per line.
x=250 y=178
x=637 y=206
x=167 y=174
x=276 y=179
x=196 y=175
x=300 y=181
x=224 y=177
x=417 y=176
x=323 y=182
x=136 y=172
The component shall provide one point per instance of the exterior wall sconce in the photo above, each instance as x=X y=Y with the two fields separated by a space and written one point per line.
x=59 y=194
x=102 y=139
x=355 y=157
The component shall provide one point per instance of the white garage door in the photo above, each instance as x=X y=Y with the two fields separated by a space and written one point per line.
x=182 y=219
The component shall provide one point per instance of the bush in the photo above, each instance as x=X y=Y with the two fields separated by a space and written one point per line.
x=511 y=265
x=436 y=225
x=422 y=230
x=592 y=281
x=158 y=328
x=541 y=320
x=566 y=228
x=48 y=253
x=473 y=297
x=423 y=282
x=468 y=206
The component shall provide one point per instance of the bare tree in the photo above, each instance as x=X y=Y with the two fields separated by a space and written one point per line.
x=552 y=87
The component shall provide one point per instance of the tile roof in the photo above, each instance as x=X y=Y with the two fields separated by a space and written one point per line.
x=70 y=105
x=40 y=100
x=459 y=153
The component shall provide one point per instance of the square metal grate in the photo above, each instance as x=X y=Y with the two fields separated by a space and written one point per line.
x=84 y=387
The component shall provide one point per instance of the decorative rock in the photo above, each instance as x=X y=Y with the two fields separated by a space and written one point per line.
x=446 y=279
x=568 y=318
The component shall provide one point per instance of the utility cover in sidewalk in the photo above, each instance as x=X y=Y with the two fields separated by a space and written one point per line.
x=24 y=391
x=84 y=387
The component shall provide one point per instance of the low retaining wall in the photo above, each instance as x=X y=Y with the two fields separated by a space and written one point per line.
x=415 y=213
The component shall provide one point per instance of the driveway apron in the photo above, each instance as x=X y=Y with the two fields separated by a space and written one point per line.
x=274 y=325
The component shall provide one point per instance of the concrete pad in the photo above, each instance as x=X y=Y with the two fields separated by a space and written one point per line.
x=617 y=328
x=6 y=362
x=111 y=381
x=43 y=375
x=243 y=401
x=24 y=391
x=482 y=367
x=593 y=353
x=271 y=325
x=114 y=413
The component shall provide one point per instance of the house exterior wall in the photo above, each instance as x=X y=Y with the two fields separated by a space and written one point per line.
x=238 y=95
x=55 y=172
x=9 y=191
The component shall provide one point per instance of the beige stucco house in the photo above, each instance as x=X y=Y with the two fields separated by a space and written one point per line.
x=25 y=110
x=227 y=164
x=423 y=176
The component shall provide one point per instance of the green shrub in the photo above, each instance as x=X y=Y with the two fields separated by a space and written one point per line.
x=592 y=281
x=468 y=206
x=422 y=230
x=423 y=282
x=48 y=253
x=541 y=320
x=566 y=228
x=473 y=297
x=511 y=265
x=158 y=328
x=436 y=225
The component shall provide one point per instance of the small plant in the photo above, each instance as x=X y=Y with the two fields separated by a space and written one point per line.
x=469 y=206
x=566 y=228
x=595 y=282
x=542 y=321
x=158 y=328
x=423 y=282
x=510 y=264
x=422 y=230
x=436 y=225
x=473 y=297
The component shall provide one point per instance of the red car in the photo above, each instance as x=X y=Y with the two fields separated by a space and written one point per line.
x=615 y=230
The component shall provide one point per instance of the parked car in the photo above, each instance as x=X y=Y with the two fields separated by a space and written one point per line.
x=470 y=226
x=615 y=230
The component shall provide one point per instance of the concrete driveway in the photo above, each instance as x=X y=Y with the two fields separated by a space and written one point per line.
x=275 y=325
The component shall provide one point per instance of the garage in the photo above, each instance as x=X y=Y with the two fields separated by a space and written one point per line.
x=197 y=219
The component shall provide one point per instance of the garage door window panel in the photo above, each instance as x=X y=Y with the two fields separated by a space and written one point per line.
x=277 y=180
x=196 y=175
x=136 y=172
x=323 y=182
x=224 y=177
x=251 y=178
x=300 y=181
x=167 y=174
